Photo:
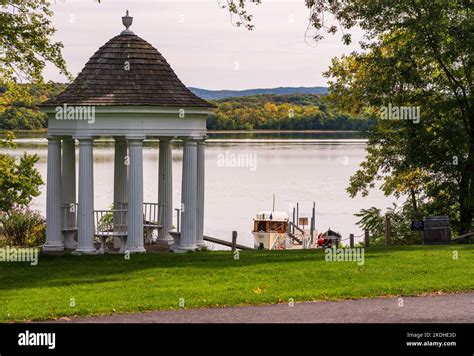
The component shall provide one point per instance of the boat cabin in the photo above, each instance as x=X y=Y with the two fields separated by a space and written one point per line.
x=271 y=221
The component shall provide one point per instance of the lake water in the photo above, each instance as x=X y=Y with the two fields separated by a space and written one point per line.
x=302 y=168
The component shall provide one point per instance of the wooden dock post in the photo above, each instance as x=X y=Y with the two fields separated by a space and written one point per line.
x=298 y=214
x=366 y=238
x=294 y=221
x=313 y=221
x=388 y=230
x=351 y=240
x=234 y=240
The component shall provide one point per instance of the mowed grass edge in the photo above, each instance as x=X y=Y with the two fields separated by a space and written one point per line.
x=97 y=285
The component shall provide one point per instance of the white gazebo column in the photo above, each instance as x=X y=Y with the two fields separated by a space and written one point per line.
x=54 y=238
x=201 y=145
x=188 y=197
x=68 y=185
x=135 y=196
x=165 y=191
x=120 y=182
x=85 y=210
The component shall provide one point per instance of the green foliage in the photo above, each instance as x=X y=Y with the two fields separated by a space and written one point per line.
x=26 y=44
x=281 y=112
x=400 y=225
x=106 y=221
x=238 y=14
x=21 y=118
x=19 y=179
x=24 y=114
x=23 y=227
x=371 y=220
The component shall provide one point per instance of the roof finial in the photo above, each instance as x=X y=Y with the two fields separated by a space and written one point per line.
x=127 y=22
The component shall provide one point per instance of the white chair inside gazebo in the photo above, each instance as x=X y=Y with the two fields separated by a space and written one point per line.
x=112 y=224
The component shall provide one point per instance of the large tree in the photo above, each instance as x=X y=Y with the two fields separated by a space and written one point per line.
x=415 y=53
x=26 y=46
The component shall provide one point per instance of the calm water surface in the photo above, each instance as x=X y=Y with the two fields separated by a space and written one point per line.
x=296 y=168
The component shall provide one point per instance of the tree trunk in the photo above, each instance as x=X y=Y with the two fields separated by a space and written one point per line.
x=413 y=199
x=466 y=188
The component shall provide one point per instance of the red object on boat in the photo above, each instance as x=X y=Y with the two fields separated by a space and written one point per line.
x=320 y=240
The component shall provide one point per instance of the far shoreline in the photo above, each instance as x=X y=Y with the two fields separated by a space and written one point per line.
x=45 y=131
x=283 y=131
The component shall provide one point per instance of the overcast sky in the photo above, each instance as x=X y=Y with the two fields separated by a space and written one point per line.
x=198 y=40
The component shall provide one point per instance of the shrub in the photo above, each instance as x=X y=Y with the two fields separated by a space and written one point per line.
x=23 y=227
x=19 y=179
x=400 y=224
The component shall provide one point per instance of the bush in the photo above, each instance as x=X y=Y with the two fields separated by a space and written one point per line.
x=19 y=180
x=23 y=227
x=400 y=224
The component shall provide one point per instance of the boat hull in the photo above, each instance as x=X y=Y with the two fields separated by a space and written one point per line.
x=267 y=240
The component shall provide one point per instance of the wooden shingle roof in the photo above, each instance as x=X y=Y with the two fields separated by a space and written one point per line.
x=149 y=80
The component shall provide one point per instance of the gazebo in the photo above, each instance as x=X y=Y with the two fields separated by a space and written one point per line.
x=127 y=91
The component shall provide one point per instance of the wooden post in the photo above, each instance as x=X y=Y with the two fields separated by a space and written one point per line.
x=388 y=230
x=366 y=238
x=351 y=240
x=234 y=240
x=298 y=214
x=294 y=222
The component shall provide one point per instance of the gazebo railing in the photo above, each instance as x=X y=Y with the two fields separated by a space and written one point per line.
x=113 y=222
x=152 y=214
x=110 y=223
x=152 y=219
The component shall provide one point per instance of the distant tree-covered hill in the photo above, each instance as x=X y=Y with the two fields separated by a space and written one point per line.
x=253 y=112
x=221 y=94
x=25 y=115
x=282 y=112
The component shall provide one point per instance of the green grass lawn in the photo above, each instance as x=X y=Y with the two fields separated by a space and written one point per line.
x=109 y=283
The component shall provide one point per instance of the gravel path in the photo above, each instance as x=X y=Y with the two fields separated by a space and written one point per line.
x=446 y=308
